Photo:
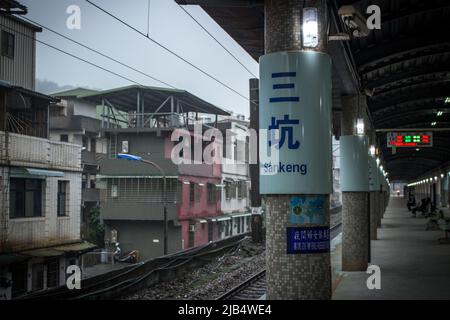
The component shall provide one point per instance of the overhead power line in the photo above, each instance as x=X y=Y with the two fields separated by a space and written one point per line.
x=215 y=39
x=72 y=55
x=100 y=53
x=168 y=50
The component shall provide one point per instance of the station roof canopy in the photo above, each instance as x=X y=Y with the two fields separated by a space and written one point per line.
x=125 y=99
x=405 y=66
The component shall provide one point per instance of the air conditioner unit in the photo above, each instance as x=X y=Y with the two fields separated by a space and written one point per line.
x=192 y=228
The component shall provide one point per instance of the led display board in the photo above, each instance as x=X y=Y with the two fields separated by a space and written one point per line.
x=410 y=139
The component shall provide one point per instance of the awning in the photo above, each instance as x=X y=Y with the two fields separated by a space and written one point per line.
x=237 y=215
x=43 y=253
x=56 y=251
x=34 y=173
x=76 y=247
x=9 y=258
x=223 y=218
x=219 y=218
x=47 y=173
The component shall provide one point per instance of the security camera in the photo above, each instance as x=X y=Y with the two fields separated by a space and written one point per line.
x=354 y=21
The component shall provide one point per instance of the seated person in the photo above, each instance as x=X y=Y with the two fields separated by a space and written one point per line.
x=411 y=202
x=422 y=206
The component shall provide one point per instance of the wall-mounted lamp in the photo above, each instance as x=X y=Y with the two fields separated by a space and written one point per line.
x=372 y=150
x=360 y=126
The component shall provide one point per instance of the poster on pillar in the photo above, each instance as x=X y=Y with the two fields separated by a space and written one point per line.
x=295 y=109
x=308 y=240
x=307 y=210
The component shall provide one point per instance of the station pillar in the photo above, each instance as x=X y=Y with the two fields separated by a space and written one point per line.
x=445 y=184
x=374 y=198
x=255 y=196
x=295 y=104
x=355 y=187
x=373 y=188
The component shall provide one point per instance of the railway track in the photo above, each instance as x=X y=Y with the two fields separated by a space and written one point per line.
x=135 y=277
x=251 y=289
x=145 y=274
x=255 y=287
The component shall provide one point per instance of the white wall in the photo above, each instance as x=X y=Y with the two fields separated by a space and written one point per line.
x=82 y=108
x=236 y=172
x=49 y=229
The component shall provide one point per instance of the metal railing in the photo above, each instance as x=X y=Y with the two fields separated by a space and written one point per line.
x=25 y=150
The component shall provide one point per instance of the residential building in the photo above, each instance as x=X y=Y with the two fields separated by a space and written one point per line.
x=235 y=179
x=76 y=121
x=40 y=179
x=140 y=121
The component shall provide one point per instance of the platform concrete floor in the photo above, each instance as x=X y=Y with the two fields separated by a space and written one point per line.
x=413 y=263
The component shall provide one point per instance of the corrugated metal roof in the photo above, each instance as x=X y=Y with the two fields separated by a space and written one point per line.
x=124 y=99
x=75 y=92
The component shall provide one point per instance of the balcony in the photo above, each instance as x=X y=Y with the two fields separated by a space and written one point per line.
x=90 y=195
x=119 y=210
x=90 y=158
x=22 y=150
x=76 y=123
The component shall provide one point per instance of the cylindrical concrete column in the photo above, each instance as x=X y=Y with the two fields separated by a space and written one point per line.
x=355 y=200
x=374 y=205
x=295 y=93
x=445 y=184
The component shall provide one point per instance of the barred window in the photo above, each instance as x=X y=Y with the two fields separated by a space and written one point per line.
x=62 y=198
x=25 y=198
x=211 y=193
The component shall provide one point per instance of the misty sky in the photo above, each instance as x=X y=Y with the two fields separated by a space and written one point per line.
x=168 y=24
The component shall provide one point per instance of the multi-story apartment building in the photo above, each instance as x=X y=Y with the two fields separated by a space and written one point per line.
x=77 y=121
x=140 y=121
x=40 y=179
x=235 y=179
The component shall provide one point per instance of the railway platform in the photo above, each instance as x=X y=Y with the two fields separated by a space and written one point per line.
x=414 y=265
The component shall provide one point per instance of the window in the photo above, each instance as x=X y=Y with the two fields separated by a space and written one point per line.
x=25 y=198
x=52 y=272
x=62 y=198
x=198 y=191
x=85 y=142
x=233 y=190
x=19 y=279
x=93 y=145
x=64 y=138
x=241 y=189
x=37 y=277
x=211 y=193
x=8 y=41
x=227 y=190
x=114 y=193
x=192 y=192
